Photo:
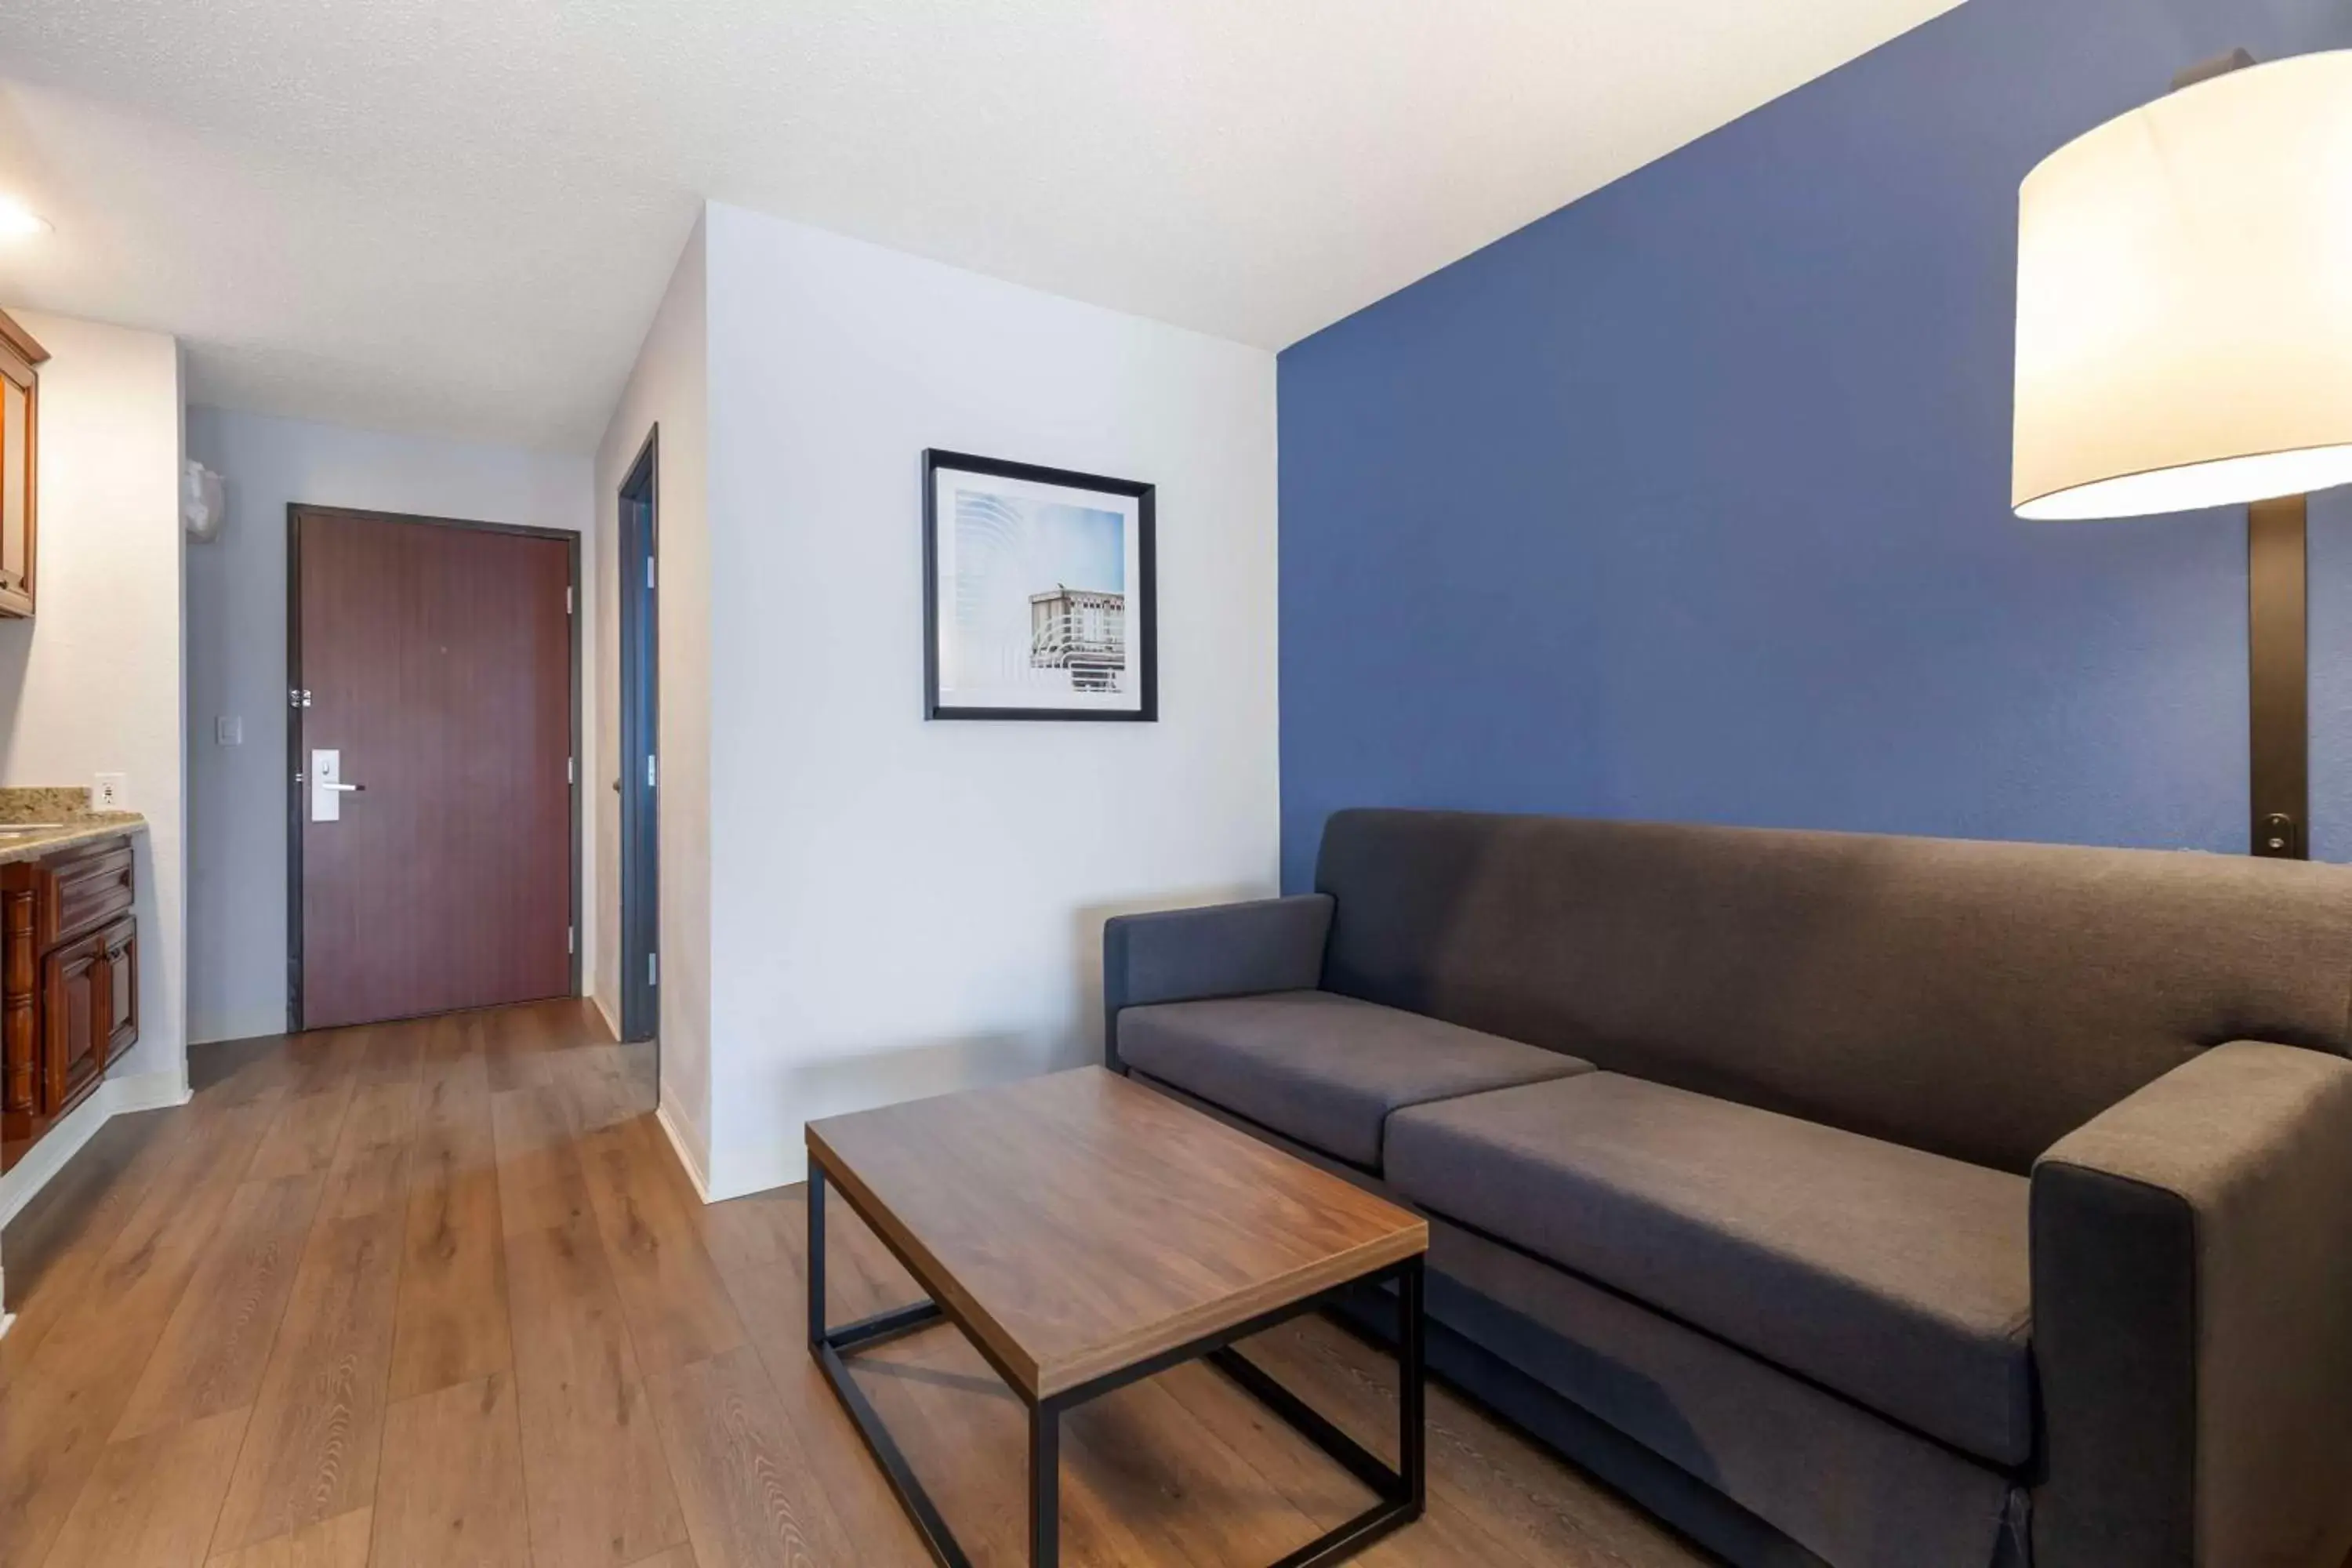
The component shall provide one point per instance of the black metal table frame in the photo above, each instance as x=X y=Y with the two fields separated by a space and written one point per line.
x=1402 y=1492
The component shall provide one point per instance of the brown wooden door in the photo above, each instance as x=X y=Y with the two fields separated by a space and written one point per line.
x=436 y=660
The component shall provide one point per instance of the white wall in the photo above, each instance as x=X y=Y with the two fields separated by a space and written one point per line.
x=92 y=682
x=899 y=908
x=236 y=663
x=670 y=386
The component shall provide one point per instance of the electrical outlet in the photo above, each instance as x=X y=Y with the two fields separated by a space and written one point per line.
x=228 y=729
x=111 y=789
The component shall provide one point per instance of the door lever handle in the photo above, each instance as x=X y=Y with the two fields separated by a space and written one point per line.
x=327 y=785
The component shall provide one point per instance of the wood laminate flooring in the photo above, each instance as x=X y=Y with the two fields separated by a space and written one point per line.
x=437 y=1293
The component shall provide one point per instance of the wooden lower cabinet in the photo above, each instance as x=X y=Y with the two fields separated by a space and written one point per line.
x=68 y=985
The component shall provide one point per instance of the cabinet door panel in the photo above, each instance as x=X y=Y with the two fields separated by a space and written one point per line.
x=119 y=946
x=19 y=408
x=22 y=1050
x=15 y=427
x=72 y=1020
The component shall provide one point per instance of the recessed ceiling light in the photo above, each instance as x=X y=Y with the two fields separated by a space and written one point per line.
x=18 y=221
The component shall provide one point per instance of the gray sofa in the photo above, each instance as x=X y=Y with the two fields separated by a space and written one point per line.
x=1851 y=1200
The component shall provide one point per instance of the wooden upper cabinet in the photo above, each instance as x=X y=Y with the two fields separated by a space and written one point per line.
x=20 y=409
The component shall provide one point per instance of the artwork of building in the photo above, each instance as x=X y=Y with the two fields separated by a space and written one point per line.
x=1083 y=631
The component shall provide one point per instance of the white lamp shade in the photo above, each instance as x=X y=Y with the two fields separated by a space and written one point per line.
x=2184 y=301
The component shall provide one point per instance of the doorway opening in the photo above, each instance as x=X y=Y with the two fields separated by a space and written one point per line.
x=432 y=807
x=640 y=745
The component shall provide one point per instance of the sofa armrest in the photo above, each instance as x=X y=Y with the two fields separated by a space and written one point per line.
x=1223 y=950
x=2192 y=1318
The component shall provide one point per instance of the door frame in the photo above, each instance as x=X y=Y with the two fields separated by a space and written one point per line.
x=638 y=538
x=298 y=756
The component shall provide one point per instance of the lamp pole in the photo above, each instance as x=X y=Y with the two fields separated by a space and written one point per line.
x=2278 y=707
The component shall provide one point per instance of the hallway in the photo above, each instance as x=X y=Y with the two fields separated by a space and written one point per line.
x=436 y=1293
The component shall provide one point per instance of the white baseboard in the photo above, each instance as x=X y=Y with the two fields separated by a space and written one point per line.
x=612 y=1024
x=766 y=1171
x=148 y=1092
x=115 y=1096
x=685 y=1157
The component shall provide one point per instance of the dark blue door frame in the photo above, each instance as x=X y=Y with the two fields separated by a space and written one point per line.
x=640 y=742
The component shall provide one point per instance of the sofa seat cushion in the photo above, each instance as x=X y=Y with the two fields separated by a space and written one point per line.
x=1895 y=1277
x=1325 y=1069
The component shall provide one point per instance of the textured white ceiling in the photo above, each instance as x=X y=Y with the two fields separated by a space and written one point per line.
x=456 y=216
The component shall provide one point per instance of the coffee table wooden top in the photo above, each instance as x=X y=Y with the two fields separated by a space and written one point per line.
x=1080 y=1223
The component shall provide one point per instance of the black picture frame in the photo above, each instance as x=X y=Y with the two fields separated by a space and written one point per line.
x=1144 y=620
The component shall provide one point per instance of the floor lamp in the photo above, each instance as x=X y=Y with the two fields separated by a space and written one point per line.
x=2184 y=341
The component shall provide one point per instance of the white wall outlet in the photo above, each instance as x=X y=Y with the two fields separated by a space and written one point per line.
x=228 y=729
x=110 y=792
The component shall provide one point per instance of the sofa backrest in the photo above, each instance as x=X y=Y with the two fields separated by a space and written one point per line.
x=1980 y=1000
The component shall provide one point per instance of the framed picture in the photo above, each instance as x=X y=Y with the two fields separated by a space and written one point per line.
x=1038 y=598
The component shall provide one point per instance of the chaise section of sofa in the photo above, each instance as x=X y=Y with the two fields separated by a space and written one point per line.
x=1895 y=1277
x=1852 y=1199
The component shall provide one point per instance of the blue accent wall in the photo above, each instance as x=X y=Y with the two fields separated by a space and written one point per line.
x=1690 y=500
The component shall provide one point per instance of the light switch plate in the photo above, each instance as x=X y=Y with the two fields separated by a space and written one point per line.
x=228 y=729
x=110 y=791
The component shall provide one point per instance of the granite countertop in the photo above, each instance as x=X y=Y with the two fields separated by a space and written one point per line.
x=64 y=819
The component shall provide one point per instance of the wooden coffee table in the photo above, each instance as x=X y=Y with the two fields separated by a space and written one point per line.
x=1084 y=1233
